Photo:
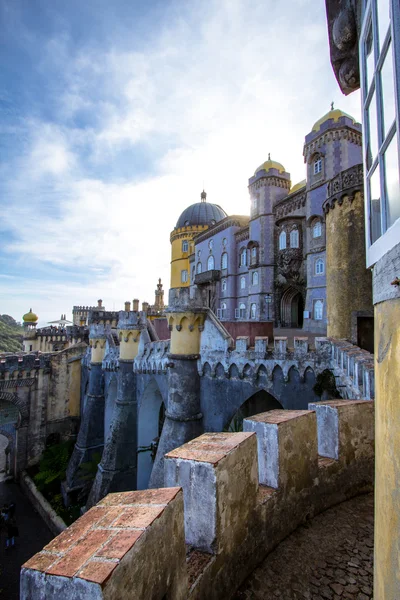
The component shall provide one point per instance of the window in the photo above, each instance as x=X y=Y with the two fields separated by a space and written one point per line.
x=193 y=273
x=224 y=261
x=282 y=240
x=253 y=311
x=184 y=276
x=185 y=246
x=198 y=253
x=211 y=244
x=30 y=348
x=381 y=142
x=223 y=285
x=318 y=310
x=254 y=252
x=254 y=203
x=254 y=278
x=224 y=242
x=243 y=257
x=210 y=263
x=319 y=267
x=317 y=230
x=187 y=223
x=199 y=269
x=317 y=166
x=223 y=310
x=240 y=313
x=294 y=238
x=243 y=283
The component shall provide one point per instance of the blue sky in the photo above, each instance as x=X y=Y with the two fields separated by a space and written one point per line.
x=113 y=114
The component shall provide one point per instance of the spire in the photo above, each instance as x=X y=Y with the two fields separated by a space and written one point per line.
x=332 y=105
x=269 y=155
x=203 y=196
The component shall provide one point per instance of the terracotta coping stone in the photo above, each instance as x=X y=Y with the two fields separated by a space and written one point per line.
x=341 y=403
x=209 y=447
x=278 y=416
x=92 y=547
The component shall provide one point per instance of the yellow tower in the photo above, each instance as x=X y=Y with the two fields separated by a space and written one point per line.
x=194 y=219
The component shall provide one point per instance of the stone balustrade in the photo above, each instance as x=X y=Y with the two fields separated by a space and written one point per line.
x=232 y=497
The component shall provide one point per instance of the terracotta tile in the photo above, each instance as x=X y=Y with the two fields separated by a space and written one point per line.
x=138 y=516
x=210 y=447
x=77 y=530
x=119 y=545
x=275 y=417
x=97 y=571
x=74 y=559
x=110 y=516
x=41 y=561
x=156 y=496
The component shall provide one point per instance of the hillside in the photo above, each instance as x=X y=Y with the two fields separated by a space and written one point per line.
x=10 y=334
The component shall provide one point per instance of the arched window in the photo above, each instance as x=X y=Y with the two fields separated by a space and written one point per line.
x=253 y=311
x=243 y=283
x=210 y=263
x=193 y=274
x=243 y=257
x=317 y=230
x=185 y=246
x=254 y=278
x=223 y=285
x=317 y=165
x=318 y=310
x=223 y=310
x=242 y=310
x=319 y=267
x=294 y=238
x=282 y=240
x=211 y=244
x=199 y=268
x=224 y=261
x=254 y=252
x=184 y=276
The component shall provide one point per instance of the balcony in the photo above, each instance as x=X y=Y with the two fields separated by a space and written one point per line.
x=207 y=277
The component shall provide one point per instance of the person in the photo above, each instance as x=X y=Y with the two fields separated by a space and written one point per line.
x=12 y=532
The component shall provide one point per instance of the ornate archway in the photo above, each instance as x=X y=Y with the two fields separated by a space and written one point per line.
x=291 y=308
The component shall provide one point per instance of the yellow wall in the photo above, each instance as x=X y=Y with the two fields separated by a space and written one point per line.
x=179 y=259
x=98 y=350
x=129 y=344
x=387 y=453
x=348 y=281
x=74 y=400
x=185 y=333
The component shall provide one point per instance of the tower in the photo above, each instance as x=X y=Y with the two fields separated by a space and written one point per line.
x=159 y=297
x=30 y=339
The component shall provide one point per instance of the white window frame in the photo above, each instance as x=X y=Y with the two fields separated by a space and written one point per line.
x=317 y=229
x=199 y=268
x=223 y=285
x=319 y=266
x=221 y=312
x=254 y=252
x=211 y=244
x=243 y=257
x=316 y=314
x=254 y=278
x=294 y=238
x=224 y=260
x=210 y=261
x=185 y=246
x=282 y=240
x=184 y=276
x=317 y=166
x=243 y=282
x=253 y=311
x=240 y=312
x=390 y=235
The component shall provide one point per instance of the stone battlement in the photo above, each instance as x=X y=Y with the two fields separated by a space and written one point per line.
x=232 y=497
x=24 y=362
x=154 y=358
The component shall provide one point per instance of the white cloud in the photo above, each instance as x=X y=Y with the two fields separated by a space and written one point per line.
x=212 y=91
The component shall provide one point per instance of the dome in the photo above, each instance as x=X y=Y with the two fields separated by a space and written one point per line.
x=30 y=317
x=201 y=213
x=298 y=186
x=270 y=164
x=334 y=114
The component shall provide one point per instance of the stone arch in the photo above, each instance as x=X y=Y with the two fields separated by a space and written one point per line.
x=291 y=308
x=259 y=402
x=110 y=400
x=233 y=372
x=294 y=375
x=219 y=371
x=7 y=458
x=207 y=369
x=22 y=405
x=247 y=370
x=150 y=422
x=309 y=377
x=262 y=375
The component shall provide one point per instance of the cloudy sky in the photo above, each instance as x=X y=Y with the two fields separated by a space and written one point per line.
x=114 y=114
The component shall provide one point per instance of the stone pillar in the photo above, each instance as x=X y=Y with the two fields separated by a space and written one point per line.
x=117 y=470
x=183 y=419
x=91 y=431
x=348 y=282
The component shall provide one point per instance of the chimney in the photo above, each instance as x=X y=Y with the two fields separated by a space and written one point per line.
x=135 y=304
x=127 y=306
x=145 y=307
x=99 y=303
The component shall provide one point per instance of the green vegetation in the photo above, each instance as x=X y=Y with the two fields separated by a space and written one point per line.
x=11 y=334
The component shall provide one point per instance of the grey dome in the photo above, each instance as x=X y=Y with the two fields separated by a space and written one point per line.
x=201 y=213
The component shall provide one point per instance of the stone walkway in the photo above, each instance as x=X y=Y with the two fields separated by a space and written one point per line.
x=33 y=532
x=330 y=558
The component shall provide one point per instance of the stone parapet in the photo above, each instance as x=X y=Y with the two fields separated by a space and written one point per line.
x=353 y=369
x=153 y=358
x=25 y=362
x=132 y=545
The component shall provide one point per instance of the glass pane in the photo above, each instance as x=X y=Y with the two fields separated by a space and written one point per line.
x=388 y=97
x=383 y=19
x=369 y=56
x=392 y=184
x=372 y=143
x=375 y=206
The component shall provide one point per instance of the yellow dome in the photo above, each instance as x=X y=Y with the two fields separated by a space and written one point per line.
x=270 y=164
x=30 y=317
x=298 y=186
x=334 y=114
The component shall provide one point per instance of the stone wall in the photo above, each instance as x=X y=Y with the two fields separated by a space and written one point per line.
x=232 y=497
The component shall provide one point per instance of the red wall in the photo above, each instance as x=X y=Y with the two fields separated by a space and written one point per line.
x=161 y=327
x=250 y=329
